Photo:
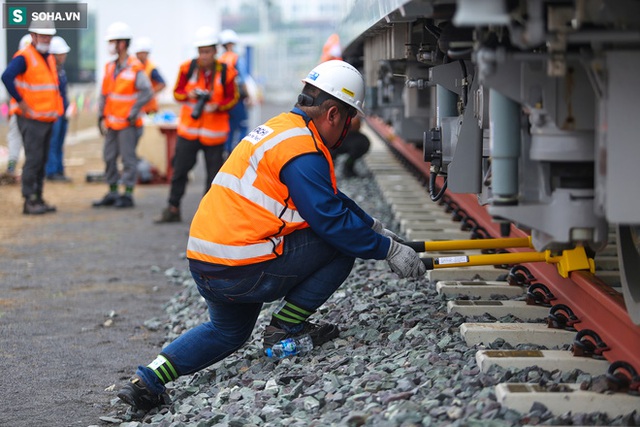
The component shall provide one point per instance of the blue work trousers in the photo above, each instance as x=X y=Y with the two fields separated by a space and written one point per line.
x=307 y=274
x=55 y=160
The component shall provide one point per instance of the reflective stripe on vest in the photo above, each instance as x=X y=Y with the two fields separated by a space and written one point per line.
x=39 y=86
x=247 y=212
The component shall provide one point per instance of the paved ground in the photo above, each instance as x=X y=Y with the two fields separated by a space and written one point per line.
x=75 y=289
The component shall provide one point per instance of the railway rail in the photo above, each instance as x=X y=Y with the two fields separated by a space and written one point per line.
x=586 y=308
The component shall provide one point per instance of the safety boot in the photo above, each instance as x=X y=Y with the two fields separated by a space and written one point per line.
x=108 y=200
x=135 y=393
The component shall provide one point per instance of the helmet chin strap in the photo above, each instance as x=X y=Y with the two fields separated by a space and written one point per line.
x=345 y=130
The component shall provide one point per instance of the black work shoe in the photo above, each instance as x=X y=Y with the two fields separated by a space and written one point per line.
x=108 y=200
x=124 y=201
x=319 y=334
x=49 y=208
x=34 y=207
x=58 y=177
x=136 y=394
x=168 y=215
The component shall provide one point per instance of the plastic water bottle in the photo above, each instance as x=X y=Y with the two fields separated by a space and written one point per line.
x=290 y=347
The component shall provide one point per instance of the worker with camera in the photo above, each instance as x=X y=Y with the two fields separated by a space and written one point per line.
x=207 y=90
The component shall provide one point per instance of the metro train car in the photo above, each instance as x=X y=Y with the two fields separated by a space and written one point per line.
x=528 y=104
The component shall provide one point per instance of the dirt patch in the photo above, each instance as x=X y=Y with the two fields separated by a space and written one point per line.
x=76 y=289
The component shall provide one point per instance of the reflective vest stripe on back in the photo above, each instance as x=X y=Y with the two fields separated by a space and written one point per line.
x=265 y=213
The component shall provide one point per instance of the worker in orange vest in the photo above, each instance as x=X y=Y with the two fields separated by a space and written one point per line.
x=238 y=115
x=274 y=226
x=331 y=49
x=125 y=90
x=142 y=48
x=31 y=78
x=207 y=90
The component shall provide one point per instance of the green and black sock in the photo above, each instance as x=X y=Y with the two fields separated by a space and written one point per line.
x=113 y=188
x=290 y=317
x=163 y=369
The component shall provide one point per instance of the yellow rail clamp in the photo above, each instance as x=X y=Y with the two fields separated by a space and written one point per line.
x=575 y=259
x=570 y=260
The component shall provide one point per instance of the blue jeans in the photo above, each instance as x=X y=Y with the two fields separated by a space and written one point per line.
x=238 y=126
x=54 y=164
x=307 y=273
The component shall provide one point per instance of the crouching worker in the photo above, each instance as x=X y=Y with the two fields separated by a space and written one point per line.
x=274 y=226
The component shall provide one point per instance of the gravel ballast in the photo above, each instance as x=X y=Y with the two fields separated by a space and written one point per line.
x=400 y=360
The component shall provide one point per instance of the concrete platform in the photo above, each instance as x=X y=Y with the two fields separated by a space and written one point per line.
x=516 y=333
x=548 y=360
x=466 y=273
x=479 y=288
x=520 y=397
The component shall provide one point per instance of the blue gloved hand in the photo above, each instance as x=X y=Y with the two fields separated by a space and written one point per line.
x=404 y=261
x=378 y=227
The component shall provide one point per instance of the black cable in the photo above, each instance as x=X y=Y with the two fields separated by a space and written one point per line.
x=432 y=187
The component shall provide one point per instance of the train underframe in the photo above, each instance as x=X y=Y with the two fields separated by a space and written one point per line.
x=530 y=105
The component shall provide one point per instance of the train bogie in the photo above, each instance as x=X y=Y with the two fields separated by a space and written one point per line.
x=528 y=104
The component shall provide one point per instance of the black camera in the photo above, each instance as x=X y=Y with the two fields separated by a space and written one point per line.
x=203 y=96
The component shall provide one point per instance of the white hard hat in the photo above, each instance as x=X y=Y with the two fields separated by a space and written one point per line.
x=205 y=36
x=45 y=28
x=24 y=41
x=340 y=80
x=228 y=36
x=118 y=31
x=58 y=45
x=142 y=44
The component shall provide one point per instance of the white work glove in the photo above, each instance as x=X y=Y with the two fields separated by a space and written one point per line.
x=404 y=261
x=378 y=227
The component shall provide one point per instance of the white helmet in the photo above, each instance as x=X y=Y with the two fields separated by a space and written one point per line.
x=58 y=45
x=206 y=36
x=228 y=36
x=340 y=80
x=24 y=41
x=142 y=44
x=45 y=28
x=118 y=31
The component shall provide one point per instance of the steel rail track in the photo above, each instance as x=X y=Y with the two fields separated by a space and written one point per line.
x=598 y=307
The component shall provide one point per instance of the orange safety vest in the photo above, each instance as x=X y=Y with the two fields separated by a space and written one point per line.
x=39 y=86
x=246 y=213
x=120 y=93
x=212 y=127
x=331 y=49
x=151 y=106
x=229 y=57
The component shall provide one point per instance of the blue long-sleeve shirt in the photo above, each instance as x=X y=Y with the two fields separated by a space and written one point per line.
x=156 y=77
x=62 y=78
x=334 y=217
x=16 y=66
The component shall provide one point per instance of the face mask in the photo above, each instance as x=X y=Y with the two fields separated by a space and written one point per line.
x=42 y=47
x=112 y=48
